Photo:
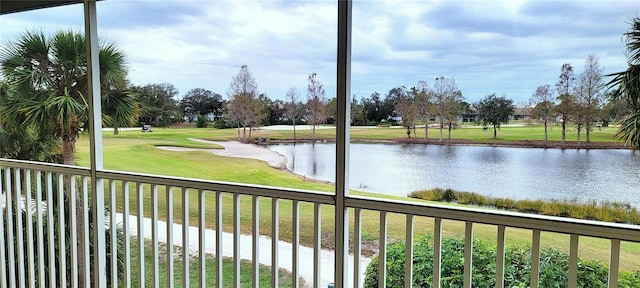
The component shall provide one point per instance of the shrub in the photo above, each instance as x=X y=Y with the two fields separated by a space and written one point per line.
x=606 y=211
x=202 y=122
x=554 y=265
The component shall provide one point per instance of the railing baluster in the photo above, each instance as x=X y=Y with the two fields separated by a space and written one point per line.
x=535 y=259
x=19 y=229
x=113 y=233
x=500 y=257
x=236 y=240
x=202 y=227
x=50 y=230
x=357 y=246
x=468 y=254
x=30 y=237
x=437 y=251
x=614 y=263
x=61 y=231
x=573 y=261
x=3 y=240
x=255 y=264
x=140 y=207
x=185 y=237
x=382 y=256
x=39 y=228
x=126 y=227
x=275 y=238
x=317 y=243
x=85 y=208
x=219 y=232
x=73 y=231
x=408 y=256
x=170 y=272
x=10 y=230
x=295 y=251
x=155 y=275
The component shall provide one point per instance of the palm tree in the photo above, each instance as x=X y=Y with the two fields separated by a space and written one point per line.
x=47 y=83
x=626 y=85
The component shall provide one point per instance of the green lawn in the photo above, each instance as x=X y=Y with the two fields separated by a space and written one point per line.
x=135 y=151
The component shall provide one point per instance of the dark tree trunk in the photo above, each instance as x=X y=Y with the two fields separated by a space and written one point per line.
x=68 y=149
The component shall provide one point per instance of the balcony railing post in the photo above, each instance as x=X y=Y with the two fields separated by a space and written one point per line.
x=343 y=92
x=95 y=142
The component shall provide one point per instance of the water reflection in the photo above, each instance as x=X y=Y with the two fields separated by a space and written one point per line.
x=517 y=173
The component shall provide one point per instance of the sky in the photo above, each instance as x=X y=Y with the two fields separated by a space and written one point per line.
x=504 y=47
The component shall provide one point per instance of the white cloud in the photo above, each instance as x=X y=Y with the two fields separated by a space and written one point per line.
x=492 y=46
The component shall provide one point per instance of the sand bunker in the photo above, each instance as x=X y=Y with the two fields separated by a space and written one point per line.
x=237 y=149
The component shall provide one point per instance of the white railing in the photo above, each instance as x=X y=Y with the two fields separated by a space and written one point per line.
x=190 y=218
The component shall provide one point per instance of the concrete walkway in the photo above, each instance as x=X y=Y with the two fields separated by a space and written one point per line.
x=246 y=250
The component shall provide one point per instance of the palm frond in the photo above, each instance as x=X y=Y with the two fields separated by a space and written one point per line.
x=630 y=129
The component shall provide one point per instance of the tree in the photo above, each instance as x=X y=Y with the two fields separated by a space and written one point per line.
x=626 y=85
x=121 y=109
x=316 y=103
x=452 y=109
x=447 y=98
x=423 y=97
x=48 y=80
x=157 y=103
x=200 y=102
x=495 y=111
x=589 y=92
x=293 y=109
x=358 y=113
x=543 y=106
x=406 y=109
x=243 y=92
x=567 y=100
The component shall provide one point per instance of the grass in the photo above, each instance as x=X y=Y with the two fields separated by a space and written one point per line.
x=134 y=151
x=285 y=279
x=607 y=211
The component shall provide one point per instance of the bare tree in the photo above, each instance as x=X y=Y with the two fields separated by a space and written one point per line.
x=406 y=108
x=243 y=92
x=543 y=104
x=565 y=85
x=316 y=103
x=423 y=97
x=589 y=92
x=445 y=94
x=293 y=110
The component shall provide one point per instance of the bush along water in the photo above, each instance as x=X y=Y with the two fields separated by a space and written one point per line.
x=606 y=211
x=554 y=265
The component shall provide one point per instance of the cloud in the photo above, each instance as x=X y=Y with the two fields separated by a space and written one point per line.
x=504 y=47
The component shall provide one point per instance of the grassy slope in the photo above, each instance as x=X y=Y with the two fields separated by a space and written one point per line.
x=134 y=151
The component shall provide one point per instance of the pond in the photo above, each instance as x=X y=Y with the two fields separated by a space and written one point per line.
x=517 y=173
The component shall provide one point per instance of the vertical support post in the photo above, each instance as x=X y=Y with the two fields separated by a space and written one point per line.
x=343 y=92
x=500 y=257
x=573 y=261
x=437 y=251
x=95 y=141
x=535 y=259
x=468 y=254
x=408 y=253
x=614 y=263
x=255 y=234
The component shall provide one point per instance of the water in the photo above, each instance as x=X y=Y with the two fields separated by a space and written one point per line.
x=517 y=173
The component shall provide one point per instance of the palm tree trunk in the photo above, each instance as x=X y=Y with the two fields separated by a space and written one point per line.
x=68 y=149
